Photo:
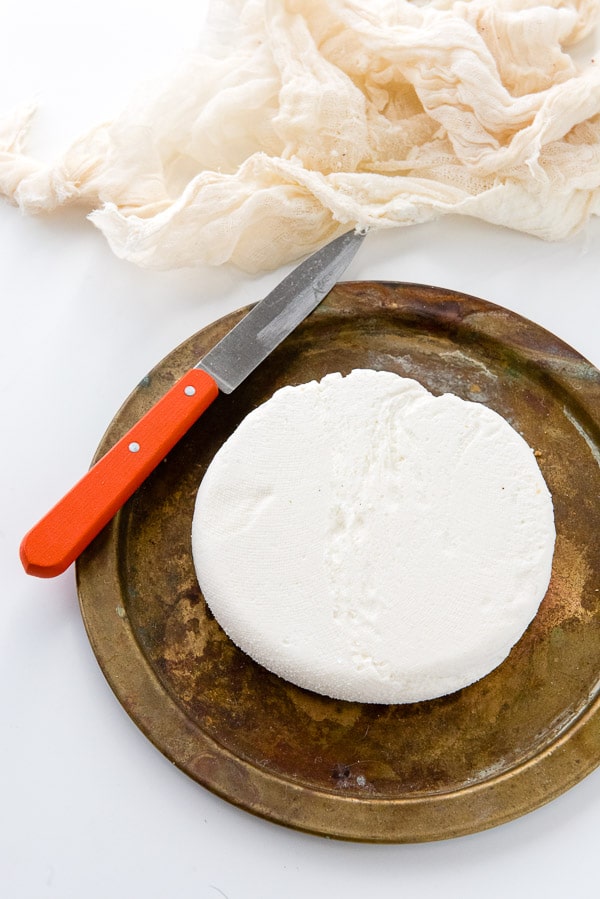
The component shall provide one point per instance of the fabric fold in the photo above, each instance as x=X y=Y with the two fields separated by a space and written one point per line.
x=298 y=119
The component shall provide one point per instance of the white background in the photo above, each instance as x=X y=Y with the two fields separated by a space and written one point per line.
x=88 y=808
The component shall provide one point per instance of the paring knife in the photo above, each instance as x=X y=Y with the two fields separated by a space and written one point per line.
x=56 y=541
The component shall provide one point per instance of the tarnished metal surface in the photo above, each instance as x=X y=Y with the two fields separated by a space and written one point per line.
x=424 y=771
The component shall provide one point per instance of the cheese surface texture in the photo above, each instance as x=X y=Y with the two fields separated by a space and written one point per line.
x=366 y=540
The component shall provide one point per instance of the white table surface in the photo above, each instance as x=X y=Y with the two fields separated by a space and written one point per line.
x=88 y=807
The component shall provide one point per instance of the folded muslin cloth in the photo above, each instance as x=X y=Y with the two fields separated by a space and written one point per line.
x=298 y=119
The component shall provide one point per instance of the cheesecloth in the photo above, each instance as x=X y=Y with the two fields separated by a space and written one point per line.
x=296 y=120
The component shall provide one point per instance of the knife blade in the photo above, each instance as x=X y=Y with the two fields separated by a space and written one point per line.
x=70 y=526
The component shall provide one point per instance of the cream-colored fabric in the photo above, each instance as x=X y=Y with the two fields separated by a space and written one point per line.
x=301 y=118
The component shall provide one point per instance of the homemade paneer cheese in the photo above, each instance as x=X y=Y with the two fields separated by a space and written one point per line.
x=369 y=541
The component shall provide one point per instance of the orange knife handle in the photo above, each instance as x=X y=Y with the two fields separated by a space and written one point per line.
x=56 y=541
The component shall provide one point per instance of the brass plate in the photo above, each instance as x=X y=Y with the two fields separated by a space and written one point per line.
x=406 y=773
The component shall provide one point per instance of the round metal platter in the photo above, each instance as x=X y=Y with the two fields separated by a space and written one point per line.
x=405 y=773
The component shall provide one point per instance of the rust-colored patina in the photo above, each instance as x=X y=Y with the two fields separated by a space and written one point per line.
x=425 y=771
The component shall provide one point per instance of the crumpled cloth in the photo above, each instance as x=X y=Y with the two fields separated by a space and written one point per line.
x=298 y=119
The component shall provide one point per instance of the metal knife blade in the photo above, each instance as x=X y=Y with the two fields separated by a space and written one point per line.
x=70 y=526
x=271 y=320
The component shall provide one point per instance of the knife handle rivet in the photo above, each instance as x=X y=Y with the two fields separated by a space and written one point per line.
x=134 y=447
x=189 y=390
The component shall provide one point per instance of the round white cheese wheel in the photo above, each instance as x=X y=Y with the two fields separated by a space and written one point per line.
x=371 y=542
